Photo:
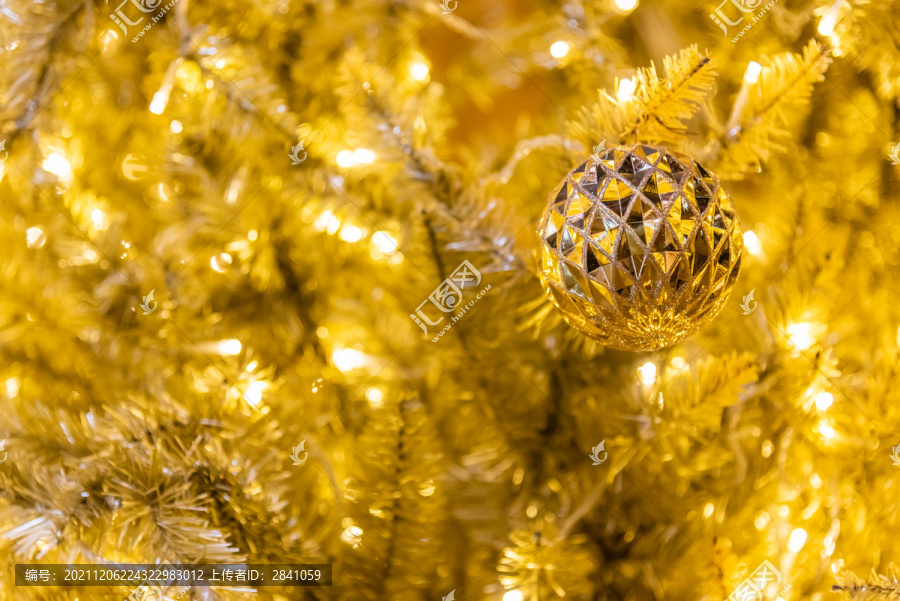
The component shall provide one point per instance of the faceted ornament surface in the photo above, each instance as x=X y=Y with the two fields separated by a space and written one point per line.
x=640 y=247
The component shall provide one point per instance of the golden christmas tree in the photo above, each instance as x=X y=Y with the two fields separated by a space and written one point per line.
x=271 y=295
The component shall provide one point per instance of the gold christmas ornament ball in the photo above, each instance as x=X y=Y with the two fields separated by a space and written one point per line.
x=640 y=247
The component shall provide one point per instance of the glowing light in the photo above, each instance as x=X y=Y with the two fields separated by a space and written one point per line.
x=826 y=431
x=419 y=71
x=35 y=237
x=800 y=335
x=626 y=5
x=159 y=102
x=626 y=90
x=230 y=346
x=708 y=509
x=826 y=25
x=220 y=63
x=374 y=396
x=251 y=367
x=513 y=595
x=254 y=392
x=347 y=359
x=220 y=262
x=98 y=220
x=678 y=363
x=767 y=448
x=351 y=233
x=387 y=245
x=12 y=387
x=559 y=49
x=352 y=535
x=345 y=159
x=647 y=372
x=360 y=156
x=363 y=156
x=327 y=221
x=824 y=400
x=58 y=165
x=252 y=235
x=751 y=75
x=176 y=126
x=797 y=540
x=752 y=244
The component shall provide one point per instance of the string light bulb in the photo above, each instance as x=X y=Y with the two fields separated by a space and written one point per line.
x=347 y=359
x=35 y=237
x=824 y=400
x=363 y=156
x=220 y=263
x=254 y=391
x=374 y=396
x=351 y=233
x=752 y=243
x=800 y=335
x=797 y=540
x=751 y=75
x=230 y=347
x=352 y=158
x=419 y=71
x=647 y=372
x=386 y=244
x=626 y=90
x=98 y=220
x=827 y=24
x=559 y=49
x=626 y=6
x=58 y=165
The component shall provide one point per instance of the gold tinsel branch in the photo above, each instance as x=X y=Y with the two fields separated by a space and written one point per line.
x=775 y=101
x=658 y=108
x=879 y=587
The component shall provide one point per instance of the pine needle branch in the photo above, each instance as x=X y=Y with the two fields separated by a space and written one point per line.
x=658 y=109
x=667 y=104
x=876 y=588
x=783 y=89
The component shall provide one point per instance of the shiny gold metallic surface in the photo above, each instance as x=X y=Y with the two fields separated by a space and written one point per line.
x=640 y=247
